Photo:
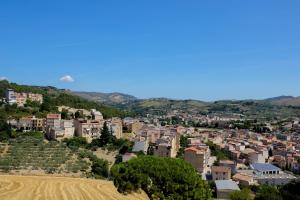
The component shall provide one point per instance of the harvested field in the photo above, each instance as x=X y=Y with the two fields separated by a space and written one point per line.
x=54 y=188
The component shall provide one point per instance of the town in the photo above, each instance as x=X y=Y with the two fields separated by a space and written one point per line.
x=229 y=157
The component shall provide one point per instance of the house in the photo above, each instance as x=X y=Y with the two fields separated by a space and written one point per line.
x=244 y=179
x=221 y=173
x=198 y=157
x=225 y=187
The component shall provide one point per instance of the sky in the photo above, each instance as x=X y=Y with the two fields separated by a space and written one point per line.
x=187 y=49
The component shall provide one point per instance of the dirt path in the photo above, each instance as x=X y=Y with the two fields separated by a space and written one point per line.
x=60 y=188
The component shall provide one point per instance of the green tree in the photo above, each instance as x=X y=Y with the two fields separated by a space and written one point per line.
x=244 y=194
x=160 y=178
x=266 y=192
x=78 y=115
x=106 y=135
x=291 y=190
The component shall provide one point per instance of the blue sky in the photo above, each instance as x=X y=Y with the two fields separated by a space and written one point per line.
x=193 y=49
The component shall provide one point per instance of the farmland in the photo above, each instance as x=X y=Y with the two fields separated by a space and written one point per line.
x=60 y=188
x=32 y=155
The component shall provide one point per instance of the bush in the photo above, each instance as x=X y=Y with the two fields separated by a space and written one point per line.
x=160 y=178
x=76 y=142
x=244 y=194
x=100 y=168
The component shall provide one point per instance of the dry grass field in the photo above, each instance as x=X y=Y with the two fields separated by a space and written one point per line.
x=56 y=188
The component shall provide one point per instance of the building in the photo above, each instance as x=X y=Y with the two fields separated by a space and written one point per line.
x=228 y=163
x=166 y=147
x=58 y=129
x=141 y=145
x=116 y=127
x=220 y=173
x=135 y=127
x=52 y=121
x=30 y=123
x=256 y=157
x=225 y=187
x=198 y=157
x=38 y=124
x=96 y=115
x=35 y=97
x=20 y=99
x=244 y=179
x=11 y=97
x=269 y=174
x=87 y=128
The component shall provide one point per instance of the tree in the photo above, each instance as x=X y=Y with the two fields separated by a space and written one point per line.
x=244 y=194
x=106 y=136
x=64 y=115
x=266 y=192
x=160 y=178
x=78 y=115
x=291 y=190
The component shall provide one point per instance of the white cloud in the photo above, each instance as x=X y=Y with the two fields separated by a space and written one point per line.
x=3 y=78
x=67 y=79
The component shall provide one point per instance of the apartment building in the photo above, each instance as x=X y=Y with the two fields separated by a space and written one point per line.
x=116 y=126
x=11 y=97
x=30 y=123
x=52 y=121
x=166 y=146
x=65 y=129
x=20 y=99
x=198 y=157
x=87 y=128
x=35 y=97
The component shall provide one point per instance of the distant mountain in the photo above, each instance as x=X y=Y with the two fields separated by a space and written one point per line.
x=279 y=98
x=110 y=98
x=277 y=106
x=285 y=101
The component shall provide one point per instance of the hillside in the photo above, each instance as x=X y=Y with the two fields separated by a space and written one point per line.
x=54 y=97
x=106 y=97
x=60 y=188
x=285 y=101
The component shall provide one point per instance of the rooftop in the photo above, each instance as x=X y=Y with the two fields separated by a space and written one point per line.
x=226 y=185
x=220 y=169
x=263 y=167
